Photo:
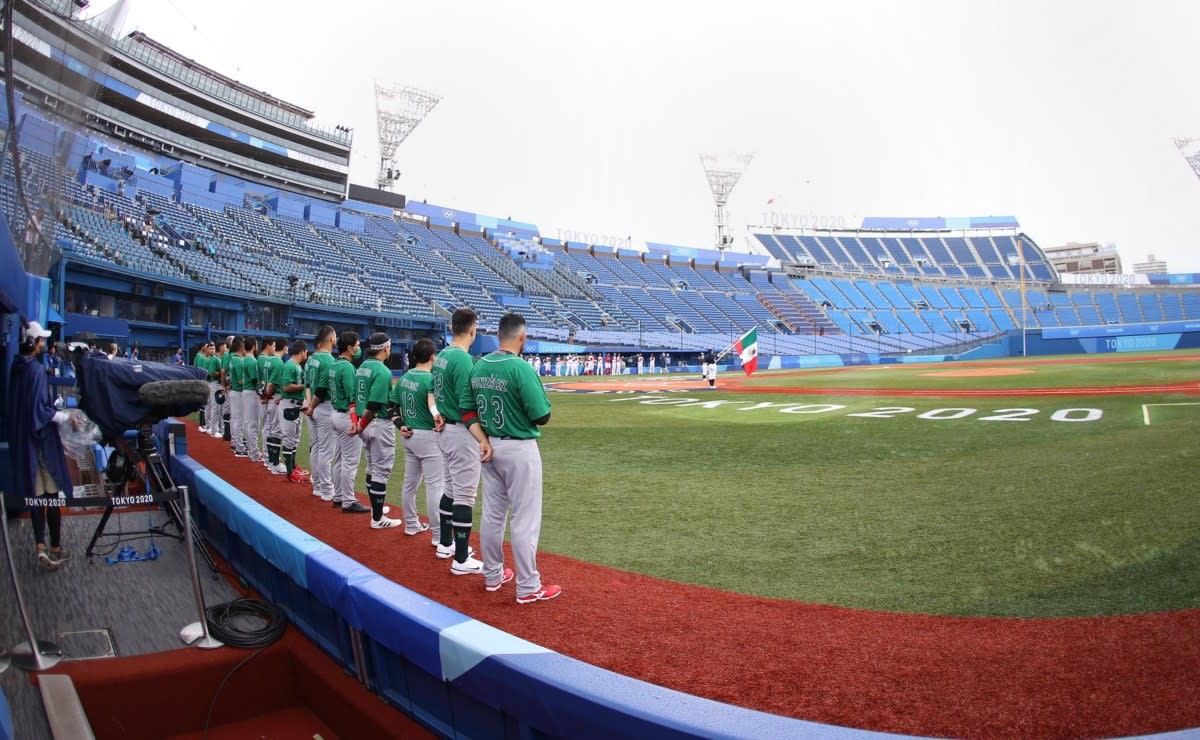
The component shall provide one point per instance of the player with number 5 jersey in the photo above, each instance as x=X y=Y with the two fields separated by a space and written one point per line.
x=512 y=406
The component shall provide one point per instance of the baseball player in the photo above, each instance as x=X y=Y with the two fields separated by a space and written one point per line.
x=226 y=406
x=464 y=445
x=372 y=383
x=415 y=412
x=710 y=372
x=216 y=409
x=268 y=404
x=250 y=400
x=201 y=361
x=233 y=396
x=343 y=424
x=322 y=441
x=512 y=405
x=289 y=380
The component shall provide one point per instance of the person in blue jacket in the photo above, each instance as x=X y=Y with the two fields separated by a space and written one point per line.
x=39 y=463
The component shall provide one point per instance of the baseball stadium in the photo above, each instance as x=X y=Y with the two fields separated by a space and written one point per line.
x=909 y=476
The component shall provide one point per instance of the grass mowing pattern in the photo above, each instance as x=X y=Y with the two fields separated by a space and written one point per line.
x=950 y=516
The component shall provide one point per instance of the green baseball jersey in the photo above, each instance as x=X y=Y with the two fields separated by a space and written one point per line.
x=264 y=374
x=508 y=396
x=269 y=366
x=236 y=373
x=371 y=385
x=411 y=394
x=452 y=382
x=290 y=373
x=212 y=364
x=341 y=384
x=316 y=371
x=200 y=361
x=250 y=373
x=225 y=360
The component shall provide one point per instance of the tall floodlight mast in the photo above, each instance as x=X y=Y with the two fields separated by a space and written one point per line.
x=398 y=110
x=723 y=172
x=1190 y=149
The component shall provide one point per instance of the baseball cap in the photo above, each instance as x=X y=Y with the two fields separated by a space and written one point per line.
x=35 y=330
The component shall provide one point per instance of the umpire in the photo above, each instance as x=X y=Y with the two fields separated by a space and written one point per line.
x=512 y=404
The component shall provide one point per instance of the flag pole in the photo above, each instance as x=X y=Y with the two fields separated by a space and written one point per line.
x=1024 y=299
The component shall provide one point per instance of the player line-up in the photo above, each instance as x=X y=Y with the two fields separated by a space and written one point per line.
x=458 y=419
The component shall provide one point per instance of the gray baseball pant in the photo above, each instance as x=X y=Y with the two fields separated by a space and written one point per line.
x=423 y=459
x=233 y=400
x=289 y=431
x=250 y=406
x=460 y=455
x=512 y=481
x=324 y=445
x=347 y=451
x=212 y=412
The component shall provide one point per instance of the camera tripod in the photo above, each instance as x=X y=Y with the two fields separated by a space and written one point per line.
x=159 y=488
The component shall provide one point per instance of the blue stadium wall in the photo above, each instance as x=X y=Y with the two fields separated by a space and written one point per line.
x=1105 y=339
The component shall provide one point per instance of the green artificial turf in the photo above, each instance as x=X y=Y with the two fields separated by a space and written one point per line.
x=952 y=516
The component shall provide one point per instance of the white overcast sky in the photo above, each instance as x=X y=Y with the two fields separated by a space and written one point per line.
x=589 y=116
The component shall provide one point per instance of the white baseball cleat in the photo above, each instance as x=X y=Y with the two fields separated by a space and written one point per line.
x=384 y=523
x=470 y=566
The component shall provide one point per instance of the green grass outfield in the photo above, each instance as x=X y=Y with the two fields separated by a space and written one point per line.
x=1032 y=506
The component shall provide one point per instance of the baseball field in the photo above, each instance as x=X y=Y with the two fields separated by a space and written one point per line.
x=995 y=549
x=1039 y=487
x=873 y=490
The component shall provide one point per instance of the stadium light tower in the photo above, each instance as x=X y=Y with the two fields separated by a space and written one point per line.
x=1190 y=149
x=723 y=172
x=398 y=110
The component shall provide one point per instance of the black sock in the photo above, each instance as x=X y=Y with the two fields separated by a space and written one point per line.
x=289 y=459
x=446 y=511
x=273 y=450
x=201 y=418
x=227 y=432
x=462 y=531
x=377 y=491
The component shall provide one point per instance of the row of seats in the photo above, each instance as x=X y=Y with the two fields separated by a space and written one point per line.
x=991 y=257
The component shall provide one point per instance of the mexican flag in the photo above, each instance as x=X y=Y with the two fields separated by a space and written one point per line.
x=747 y=349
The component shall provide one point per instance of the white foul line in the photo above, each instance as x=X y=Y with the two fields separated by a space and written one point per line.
x=1146 y=409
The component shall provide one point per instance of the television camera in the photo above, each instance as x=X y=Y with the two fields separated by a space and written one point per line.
x=121 y=395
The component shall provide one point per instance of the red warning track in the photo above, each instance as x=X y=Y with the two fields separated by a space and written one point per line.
x=909 y=673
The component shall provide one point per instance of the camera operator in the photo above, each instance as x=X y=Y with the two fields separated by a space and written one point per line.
x=39 y=464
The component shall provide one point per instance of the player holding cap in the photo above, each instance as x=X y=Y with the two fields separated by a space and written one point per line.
x=201 y=361
x=226 y=406
x=322 y=440
x=372 y=383
x=250 y=400
x=343 y=425
x=289 y=379
x=268 y=403
x=233 y=396
x=464 y=445
x=415 y=413
x=512 y=405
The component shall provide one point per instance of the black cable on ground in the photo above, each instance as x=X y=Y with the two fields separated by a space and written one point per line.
x=220 y=625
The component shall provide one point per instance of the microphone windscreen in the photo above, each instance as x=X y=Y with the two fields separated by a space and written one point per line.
x=174 y=393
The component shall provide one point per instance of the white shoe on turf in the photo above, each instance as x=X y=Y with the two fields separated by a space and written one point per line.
x=421 y=527
x=445 y=552
x=278 y=469
x=468 y=567
x=384 y=523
